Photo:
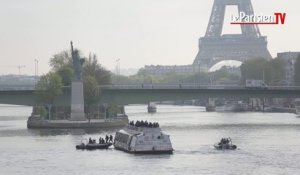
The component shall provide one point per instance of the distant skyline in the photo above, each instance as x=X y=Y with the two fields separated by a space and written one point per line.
x=138 y=32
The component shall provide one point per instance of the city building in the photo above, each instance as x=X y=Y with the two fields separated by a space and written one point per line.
x=290 y=59
x=178 y=69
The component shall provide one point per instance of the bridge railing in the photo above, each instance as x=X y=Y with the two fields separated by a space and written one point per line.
x=191 y=86
x=16 y=87
x=154 y=86
x=284 y=87
x=170 y=86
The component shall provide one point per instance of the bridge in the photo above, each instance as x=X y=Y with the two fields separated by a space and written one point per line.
x=143 y=93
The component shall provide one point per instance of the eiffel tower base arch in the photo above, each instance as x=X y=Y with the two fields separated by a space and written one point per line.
x=230 y=47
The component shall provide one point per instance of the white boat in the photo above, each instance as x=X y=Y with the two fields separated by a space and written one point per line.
x=144 y=138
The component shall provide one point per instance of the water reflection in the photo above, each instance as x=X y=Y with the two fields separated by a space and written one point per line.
x=267 y=144
x=55 y=132
x=4 y=132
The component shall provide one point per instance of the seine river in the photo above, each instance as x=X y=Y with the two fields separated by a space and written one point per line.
x=267 y=144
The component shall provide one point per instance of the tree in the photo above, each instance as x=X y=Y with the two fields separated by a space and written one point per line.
x=48 y=88
x=297 y=71
x=223 y=76
x=141 y=71
x=61 y=60
x=92 y=68
x=66 y=73
x=253 y=69
x=260 y=69
x=50 y=85
x=91 y=91
x=113 y=108
x=275 y=72
x=62 y=64
x=41 y=110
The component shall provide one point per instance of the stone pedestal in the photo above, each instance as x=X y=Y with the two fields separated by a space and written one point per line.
x=77 y=102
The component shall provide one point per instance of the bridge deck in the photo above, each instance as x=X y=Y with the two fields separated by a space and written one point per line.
x=143 y=93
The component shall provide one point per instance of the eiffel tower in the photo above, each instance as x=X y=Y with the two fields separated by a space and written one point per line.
x=214 y=47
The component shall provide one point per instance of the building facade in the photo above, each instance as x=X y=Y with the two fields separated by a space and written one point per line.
x=178 y=69
x=290 y=59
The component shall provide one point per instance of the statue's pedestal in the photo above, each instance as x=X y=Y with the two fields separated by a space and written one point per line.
x=77 y=102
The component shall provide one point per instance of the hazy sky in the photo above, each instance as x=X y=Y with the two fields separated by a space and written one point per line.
x=137 y=32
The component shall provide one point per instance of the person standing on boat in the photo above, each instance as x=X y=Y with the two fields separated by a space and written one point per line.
x=110 y=138
x=106 y=138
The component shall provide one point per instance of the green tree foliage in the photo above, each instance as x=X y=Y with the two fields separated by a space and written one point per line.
x=113 y=109
x=61 y=60
x=204 y=78
x=260 y=69
x=66 y=73
x=91 y=90
x=41 y=110
x=48 y=88
x=61 y=63
x=50 y=85
x=253 y=69
x=146 y=79
x=275 y=72
x=93 y=74
x=223 y=76
x=297 y=71
x=142 y=71
x=198 y=78
x=92 y=68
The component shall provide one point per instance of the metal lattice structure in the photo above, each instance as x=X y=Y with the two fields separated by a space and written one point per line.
x=215 y=47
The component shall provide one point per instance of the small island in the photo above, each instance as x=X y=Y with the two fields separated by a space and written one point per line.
x=79 y=78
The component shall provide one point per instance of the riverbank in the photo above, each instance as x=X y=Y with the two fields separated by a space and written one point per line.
x=36 y=122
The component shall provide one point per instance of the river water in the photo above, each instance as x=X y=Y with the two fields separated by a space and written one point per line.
x=267 y=144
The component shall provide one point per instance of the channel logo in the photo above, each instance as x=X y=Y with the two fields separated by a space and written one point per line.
x=243 y=18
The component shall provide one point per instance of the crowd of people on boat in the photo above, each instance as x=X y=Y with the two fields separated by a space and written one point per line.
x=225 y=141
x=144 y=124
x=106 y=139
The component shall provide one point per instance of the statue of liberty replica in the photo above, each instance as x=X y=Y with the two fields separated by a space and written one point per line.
x=77 y=99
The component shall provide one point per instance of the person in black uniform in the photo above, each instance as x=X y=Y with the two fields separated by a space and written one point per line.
x=106 y=138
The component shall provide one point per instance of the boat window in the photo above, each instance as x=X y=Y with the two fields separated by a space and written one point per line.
x=123 y=138
x=158 y=137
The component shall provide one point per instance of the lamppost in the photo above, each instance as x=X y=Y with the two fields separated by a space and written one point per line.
x=118 y=66
x=36 y=69
x=20 y=67
x=264 y=75
x=117 y=70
